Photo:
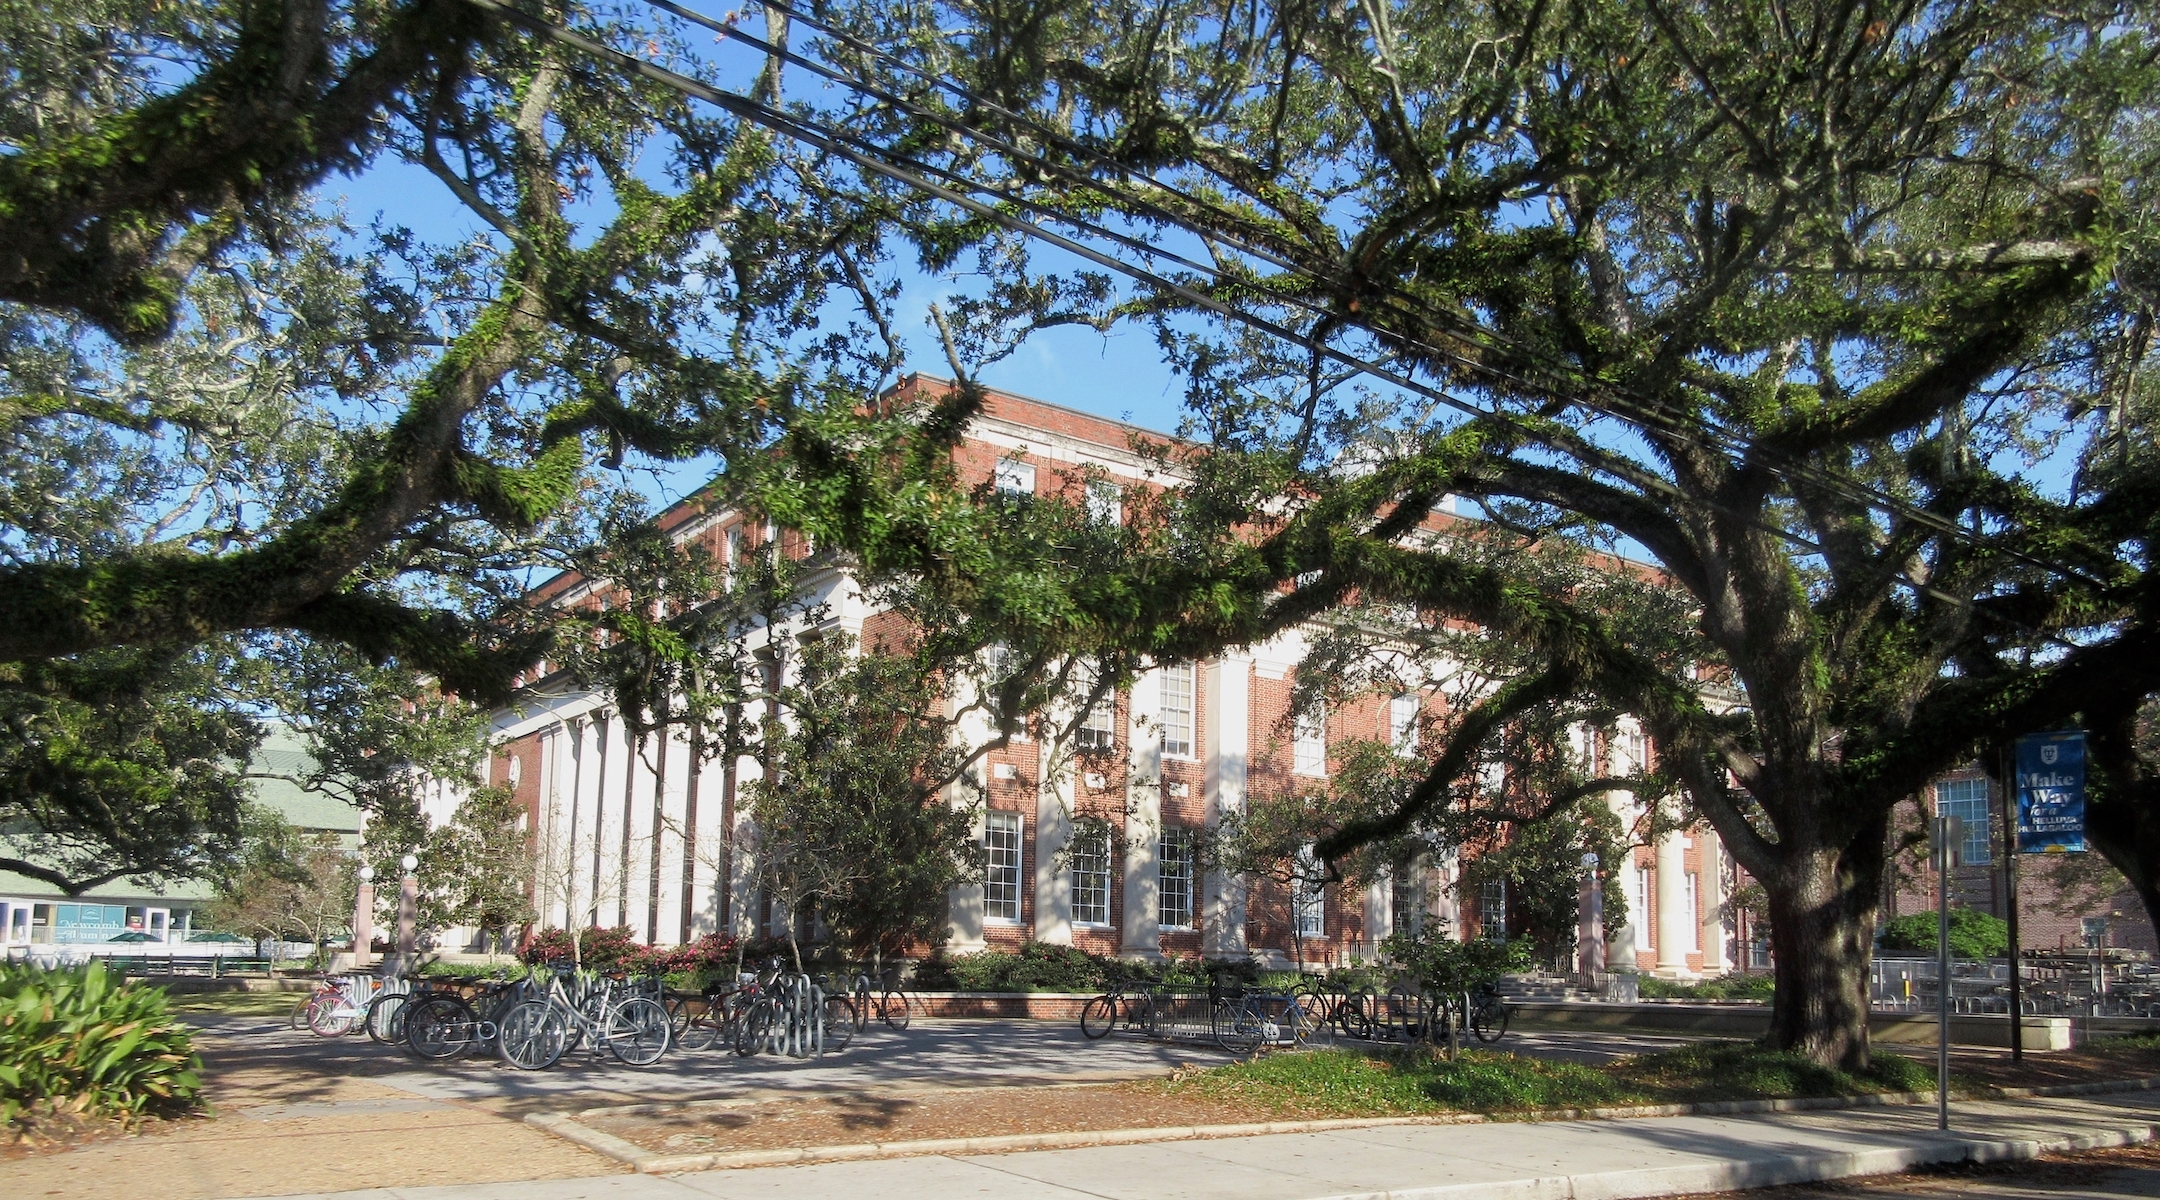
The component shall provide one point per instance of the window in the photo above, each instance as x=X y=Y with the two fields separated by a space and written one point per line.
x=1692 y=914
x=1105 y=503
x=1492 y=910
x=1308 y=741
x=1001 y=878
x=1098 y=726
x=997 y=671
x=1639 y=904
x=1308 y=895
x=1015 y=478
x=1967 y=799
x=1403 y=713
x=1638 y=752
x=1177 y=710
x=1403 y=909
x=2093 y=931
x=1174 y=879
x=1091 y=873
x=731 y=555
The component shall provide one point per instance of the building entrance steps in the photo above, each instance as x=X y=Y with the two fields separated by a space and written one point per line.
x=1575 y=1160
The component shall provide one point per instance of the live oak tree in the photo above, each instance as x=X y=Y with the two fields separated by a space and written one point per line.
x=238 y=421
x=1797 y=299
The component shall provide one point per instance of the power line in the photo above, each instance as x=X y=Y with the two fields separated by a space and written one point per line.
x=868 y=157
x=1652 y=414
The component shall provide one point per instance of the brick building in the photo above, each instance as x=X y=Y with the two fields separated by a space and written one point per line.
x=1100 y=857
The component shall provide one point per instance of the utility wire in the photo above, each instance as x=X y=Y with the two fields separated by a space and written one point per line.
x=1652 y=414
x=870 y=157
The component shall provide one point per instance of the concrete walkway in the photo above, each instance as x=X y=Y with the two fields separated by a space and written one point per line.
x=1578 y=1160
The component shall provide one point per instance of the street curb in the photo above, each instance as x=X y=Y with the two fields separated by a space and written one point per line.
x=651 y=1162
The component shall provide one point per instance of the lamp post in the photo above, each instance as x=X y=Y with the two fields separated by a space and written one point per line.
x=363 y=920
x=408 y=913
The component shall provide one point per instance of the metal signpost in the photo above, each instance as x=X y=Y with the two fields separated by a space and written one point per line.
x=1947 y=832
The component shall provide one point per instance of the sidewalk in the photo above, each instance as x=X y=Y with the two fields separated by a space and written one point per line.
x=1578 y=1160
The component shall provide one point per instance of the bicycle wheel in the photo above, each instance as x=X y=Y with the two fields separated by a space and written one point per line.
x=1488 y=1022
x=1097 y=1018
x=893 y=1007
x=839 y=1022
x=439 y=1027
x=299 y=1017
x=332 y=1016
x=638 y=1032
x=1237 y=1029
x=1140 y=1013
x=752 y=1030
x=1310 y=1031
x=386 y=1018
x=697 y=1026
x=531 y=1036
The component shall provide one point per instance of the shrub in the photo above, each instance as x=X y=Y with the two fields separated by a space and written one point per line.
x=76 y=1040
x=1731 y=987
x=618 y=950
x=1973 y=934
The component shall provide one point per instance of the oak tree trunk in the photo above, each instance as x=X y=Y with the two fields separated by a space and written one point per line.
x=1823 y=902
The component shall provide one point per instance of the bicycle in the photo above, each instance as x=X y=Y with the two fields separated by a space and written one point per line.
x=443 y=1025
x=1244 y=1021
x=1489 y=1015
x=889 y=1005
x=535 y=1034
x=337 y=1006
x=1135 y=1008
x=793 y=1015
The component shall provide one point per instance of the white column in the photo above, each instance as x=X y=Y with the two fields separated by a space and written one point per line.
x=742 y=881
x=971 y=730
x=704 y=850
x=1379 y=914
x=672 y=844
x=1143 y=822
x=1710 y=897
x=964 y=907
x=1623 y=954
x=1446 y=906
x=1053 y=828
x=1590 y=922
x=1228 y=747
x=1672 y=914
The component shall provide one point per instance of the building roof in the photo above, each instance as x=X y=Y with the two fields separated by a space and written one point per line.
x=283 y=752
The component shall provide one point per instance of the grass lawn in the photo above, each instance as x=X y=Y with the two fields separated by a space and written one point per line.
x=1356 y=1083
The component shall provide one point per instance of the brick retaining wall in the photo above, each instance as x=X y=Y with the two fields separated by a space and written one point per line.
x=1039 y=1006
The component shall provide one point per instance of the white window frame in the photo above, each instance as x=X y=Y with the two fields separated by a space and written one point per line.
x=1403 y=714
x=1308 y=897
x=1014 y=478
x=1639 y=906
x=1177 y=691
x=1308 y=741
x=1105 y=503
x=1968 y=799
x=1492 y=909
x=1002 y=858
x=1174 y=879
x=1097 y=728
x=1088 y=859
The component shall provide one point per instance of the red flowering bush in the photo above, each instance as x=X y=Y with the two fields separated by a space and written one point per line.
x=617 y=949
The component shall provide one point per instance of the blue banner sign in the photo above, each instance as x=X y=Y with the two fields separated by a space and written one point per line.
x=2051 y=793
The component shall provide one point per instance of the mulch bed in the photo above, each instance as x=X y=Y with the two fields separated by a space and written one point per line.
x=767 y=1124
